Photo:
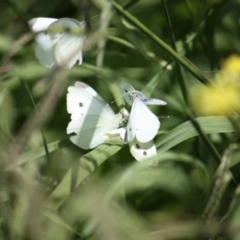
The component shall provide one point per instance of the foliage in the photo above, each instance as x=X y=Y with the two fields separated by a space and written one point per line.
x=184 y=52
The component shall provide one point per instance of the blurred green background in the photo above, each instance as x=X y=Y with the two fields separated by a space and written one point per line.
x=51 y=189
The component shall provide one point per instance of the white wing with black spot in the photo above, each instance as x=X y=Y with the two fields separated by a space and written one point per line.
x=142 y=151
x=91 y=116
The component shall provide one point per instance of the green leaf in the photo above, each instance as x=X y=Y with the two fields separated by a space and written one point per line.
x=139 y=176
x=218 y=124
x=81 y=169
x=56 y=219
x=189 y=66
x=151 y=86
x=234 y=211
x=122 y=42
x=37 y=153
x=7 y=112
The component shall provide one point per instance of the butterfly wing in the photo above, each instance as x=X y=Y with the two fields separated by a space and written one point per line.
x=153 y=101
x=128 y=93
x=82 y=100
x=142 y=151
x=45 y=41
x=45 y=57
x=91 y=129
x=68 y=48
x=91 y=116
x=40 y=24
x=142 y=124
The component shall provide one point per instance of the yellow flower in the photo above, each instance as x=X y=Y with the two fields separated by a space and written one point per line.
x=230 y=71
x=231 y=64
x=224 y=96
x=215 y=100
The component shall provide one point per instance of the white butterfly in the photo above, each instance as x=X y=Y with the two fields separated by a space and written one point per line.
x=91 y=116
x=59 y=41
x=142 y=124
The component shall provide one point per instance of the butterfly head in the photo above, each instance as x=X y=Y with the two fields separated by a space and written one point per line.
x=130 y=94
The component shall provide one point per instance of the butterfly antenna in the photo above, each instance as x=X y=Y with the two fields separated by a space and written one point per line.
x=117 y=99
x=124 y=95
x=120 y=96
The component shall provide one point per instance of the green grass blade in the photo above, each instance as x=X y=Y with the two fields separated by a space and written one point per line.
x=37 y=153
x=82 y=169
x=35 y=108
x=189 y=66
x=219 y=124
x=125 y=177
